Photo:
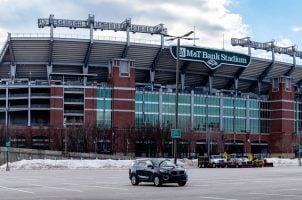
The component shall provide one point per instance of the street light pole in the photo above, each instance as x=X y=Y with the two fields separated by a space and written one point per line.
x=65 y=136
x=176 y=101
x=176 y=86
x=299 y=151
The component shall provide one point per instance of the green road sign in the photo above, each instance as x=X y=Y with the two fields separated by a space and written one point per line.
x=7 y=144
x=175 y=133
x=300 y=148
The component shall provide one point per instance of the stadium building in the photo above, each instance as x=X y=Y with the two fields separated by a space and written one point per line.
x=119 y=97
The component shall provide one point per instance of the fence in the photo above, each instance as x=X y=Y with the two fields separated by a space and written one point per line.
x=17 y=154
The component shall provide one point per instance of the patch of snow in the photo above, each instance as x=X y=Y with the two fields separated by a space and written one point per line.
x=278 y=162
x=68 y=164
x=38 y=164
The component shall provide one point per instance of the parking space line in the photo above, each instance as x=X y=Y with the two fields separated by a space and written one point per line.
x=204 y=197
x=96 y=186
x=280 y=195
x=205 y=185
x=57 y=188
x=24 y=191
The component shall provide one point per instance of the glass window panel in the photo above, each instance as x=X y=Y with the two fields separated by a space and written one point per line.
x=213 y=101
x=239 y=112
x=255 y=126
x=200 y=100
x=227 y=102
x=213 y=111
x=199 y=122
x=228 y=124
x=184 y=99
x=138 y=97
x=240 y=103
x=254 y=104
x=228 y=112
x=199 y=110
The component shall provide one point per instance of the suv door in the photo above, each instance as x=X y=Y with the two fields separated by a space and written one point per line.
x=140 y=170
x=149 y=170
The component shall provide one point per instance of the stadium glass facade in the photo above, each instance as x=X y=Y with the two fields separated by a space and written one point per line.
x=104 y=107
x=199 y=111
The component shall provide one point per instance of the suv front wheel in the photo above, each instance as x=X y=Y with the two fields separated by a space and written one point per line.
x=134 y=180
x=157 y=182
x=182 y=183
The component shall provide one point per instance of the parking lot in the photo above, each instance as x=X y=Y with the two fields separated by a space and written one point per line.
x=208 y=183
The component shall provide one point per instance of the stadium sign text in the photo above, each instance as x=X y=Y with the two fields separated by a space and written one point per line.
x=210 y=57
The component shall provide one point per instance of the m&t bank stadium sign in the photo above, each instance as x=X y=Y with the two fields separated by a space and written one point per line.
x=212 y=58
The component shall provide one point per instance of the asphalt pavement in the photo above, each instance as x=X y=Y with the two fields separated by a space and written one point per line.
x=113 y=184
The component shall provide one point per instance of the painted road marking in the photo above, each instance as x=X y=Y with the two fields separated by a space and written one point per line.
x=96 y=186
x=7 y=188
x=280 y=195
x=57 y=188
x=217 y=198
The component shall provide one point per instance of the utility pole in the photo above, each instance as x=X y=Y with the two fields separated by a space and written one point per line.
x=65 y=136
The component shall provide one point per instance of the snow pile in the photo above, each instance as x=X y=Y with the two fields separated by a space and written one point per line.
x=68 y=164
x=112 y=164
x=283 y=161
x=187 y=163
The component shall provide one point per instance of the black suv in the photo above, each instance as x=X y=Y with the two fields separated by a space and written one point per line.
x=158 y=171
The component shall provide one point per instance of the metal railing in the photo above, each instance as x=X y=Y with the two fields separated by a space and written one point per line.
x=82 y=36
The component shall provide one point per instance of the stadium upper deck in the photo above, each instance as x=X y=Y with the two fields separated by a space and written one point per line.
x=32 y=55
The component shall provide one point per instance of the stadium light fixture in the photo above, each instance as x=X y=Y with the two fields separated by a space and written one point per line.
x=185 y=36
x=268 y=46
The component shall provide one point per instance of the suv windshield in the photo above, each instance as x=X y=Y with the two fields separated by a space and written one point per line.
x=167 y=163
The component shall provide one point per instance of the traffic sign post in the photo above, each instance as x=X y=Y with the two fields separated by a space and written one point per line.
x=7 y=144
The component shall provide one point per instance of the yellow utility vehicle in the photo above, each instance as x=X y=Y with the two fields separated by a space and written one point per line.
x=258 y=160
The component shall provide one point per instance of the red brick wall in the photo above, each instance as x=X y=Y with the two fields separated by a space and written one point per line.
x=282 y=120
x=90 y=106
x=56 y=106
x=123 y=103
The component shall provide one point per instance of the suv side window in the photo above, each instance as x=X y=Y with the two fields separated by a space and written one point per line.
x=141 y=163
x=148 y=163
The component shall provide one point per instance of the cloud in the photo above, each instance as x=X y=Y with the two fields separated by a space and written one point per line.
x=211 y=18
x=297 y=29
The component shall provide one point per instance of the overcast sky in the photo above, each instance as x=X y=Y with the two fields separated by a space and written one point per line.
x=262 y=20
